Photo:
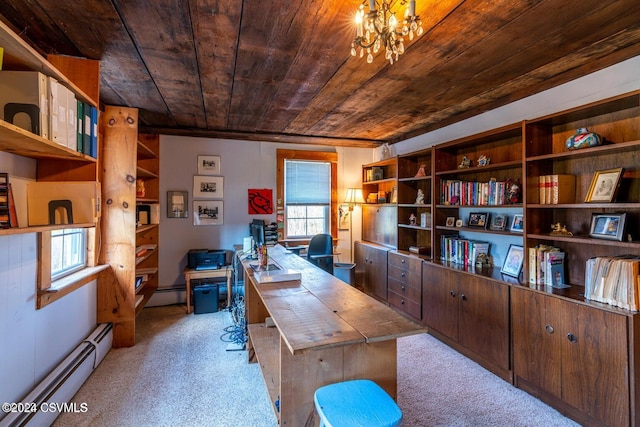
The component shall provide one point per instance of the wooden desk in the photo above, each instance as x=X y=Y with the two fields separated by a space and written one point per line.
x=325 y=331
x=190 y=274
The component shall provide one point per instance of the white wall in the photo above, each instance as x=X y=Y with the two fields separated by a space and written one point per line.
x=32 y=342
x=615 y=80
x=244 y=165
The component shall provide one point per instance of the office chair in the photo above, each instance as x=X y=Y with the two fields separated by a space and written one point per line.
x=320 y=252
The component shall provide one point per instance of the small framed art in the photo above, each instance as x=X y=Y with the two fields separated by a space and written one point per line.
x=208 y=165
x=208 y=212
x=608 y=226
x=604 y=186
x=177 y=204
x=478 y=219
x=517 y=224
x=208 y=187
x=451 y=221
x=513 y=261
x=498 y=222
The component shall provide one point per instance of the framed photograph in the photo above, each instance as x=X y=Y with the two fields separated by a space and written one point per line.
x=208 y=212
x=608 y=226
x=513 y=261
x=394 y=194
x=604 y=186
x=517 y=223
x=478 y=219
x=208 y=165
x=458 y=223
x=343 y=217
x=451 y=221
x=177 y=204
x=498 y=222
x=208 y=187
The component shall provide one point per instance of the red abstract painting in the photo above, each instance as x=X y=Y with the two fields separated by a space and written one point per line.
x=260 y=201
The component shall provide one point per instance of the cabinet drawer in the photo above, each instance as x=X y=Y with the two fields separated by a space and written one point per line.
x=406 y=262
x=411 y=278
x=402 y=289
x=408 y=306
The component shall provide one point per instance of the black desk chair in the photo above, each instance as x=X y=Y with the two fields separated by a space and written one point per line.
x=320 y=252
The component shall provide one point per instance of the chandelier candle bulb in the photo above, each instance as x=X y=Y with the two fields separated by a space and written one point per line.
x=372 y=5
x=412 y=7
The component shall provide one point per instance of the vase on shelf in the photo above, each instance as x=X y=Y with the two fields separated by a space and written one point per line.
x=583 y=138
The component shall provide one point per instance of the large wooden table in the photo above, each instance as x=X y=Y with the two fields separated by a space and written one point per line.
x=325 y=331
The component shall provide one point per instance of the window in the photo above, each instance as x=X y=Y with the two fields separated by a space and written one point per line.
x=307 y=197
x=306 y=193
x=68 y=251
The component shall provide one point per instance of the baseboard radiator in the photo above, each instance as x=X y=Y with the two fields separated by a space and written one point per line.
x=53 y=394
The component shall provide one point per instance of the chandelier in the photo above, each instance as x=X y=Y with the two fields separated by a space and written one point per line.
x=379 y=29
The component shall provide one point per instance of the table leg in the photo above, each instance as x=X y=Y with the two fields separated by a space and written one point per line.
x=188 y=280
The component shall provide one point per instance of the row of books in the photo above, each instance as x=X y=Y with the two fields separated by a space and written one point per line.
x=456 y=192
x=614 y=281
x=546 y=266
x=8 y=217
x=461 y=251
x=555 y=189
x=375 y=173
x=43 y=106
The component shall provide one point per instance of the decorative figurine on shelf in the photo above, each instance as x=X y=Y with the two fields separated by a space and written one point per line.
x=560 y=230
x=514 y=191
x=385 y=152
x=483 y=260
x=483 y=160
x=421 y=171
x=420 y=197
x=412 y=219
x=140 y=192
x=465 y=163
x=583 y=139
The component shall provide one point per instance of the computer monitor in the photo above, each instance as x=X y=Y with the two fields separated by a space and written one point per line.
x=257 y=235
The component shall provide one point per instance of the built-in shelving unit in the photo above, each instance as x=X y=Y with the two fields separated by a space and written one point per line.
x=128 y=156
x=55 y=162
x=551 y=342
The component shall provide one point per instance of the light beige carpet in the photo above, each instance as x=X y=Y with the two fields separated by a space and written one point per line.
x=180 y=374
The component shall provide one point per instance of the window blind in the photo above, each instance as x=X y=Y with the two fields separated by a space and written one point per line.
x=307 y=183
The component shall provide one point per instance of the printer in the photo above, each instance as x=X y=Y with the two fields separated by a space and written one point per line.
x=206 y=259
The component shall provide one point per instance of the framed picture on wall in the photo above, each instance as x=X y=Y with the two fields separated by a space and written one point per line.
x=208 y=165
x=208 y=187
x=208 y=212
x=177 y=204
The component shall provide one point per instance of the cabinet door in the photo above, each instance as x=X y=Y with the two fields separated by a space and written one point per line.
x=379 y=224
x=371 y=269
x=440 y=300
x=483 y=323
x=536 y=341
x=377 y=272
x=595 y=370
x=359 y=257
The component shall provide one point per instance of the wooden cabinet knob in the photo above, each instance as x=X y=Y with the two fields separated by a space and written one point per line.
x=549 y=329
x=572 y=338
x=452 y=293
x=463 y=297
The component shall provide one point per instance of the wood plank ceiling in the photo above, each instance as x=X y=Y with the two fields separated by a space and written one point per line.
x=276 y=70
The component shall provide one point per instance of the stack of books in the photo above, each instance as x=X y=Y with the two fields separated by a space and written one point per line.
x=613 y=280
x=546 y=266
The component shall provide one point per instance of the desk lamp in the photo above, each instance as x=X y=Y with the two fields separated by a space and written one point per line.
x=354 y=197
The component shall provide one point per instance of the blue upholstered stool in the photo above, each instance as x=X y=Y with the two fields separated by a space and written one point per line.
x=356 y=403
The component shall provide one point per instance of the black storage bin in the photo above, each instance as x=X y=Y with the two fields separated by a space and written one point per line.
x=205 y=299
